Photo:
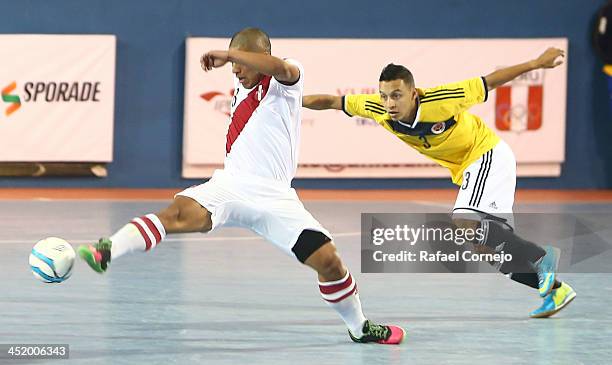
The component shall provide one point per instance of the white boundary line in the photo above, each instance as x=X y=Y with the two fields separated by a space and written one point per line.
x=184 y=239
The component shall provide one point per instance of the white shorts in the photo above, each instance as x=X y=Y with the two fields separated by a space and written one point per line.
x=489 y=184
x=267 y=207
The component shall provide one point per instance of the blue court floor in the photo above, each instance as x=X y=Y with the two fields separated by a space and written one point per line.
x=231 y=298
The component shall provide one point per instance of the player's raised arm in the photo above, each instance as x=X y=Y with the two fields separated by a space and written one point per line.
x=322 y=102
x=263 y=63
x=551 y=58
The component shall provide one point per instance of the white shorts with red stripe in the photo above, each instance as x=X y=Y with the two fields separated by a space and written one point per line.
x=488 y=185
x=267 y=207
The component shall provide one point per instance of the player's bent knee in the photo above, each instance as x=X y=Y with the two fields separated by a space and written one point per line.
x=326 y=262
x=185 y=215
x=480 y=249
x=331 y=267
x=307 y=243
x=466 y=223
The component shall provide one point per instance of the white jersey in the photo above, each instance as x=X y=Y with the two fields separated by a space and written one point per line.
x=264 y=133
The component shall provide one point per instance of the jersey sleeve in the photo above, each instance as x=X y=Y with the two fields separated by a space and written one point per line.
x=363 y=105
x=457 y=96
x=299 y=83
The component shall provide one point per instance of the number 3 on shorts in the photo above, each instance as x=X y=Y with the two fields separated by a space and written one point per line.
x=466 y=181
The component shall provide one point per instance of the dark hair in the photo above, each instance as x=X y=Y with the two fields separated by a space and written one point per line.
x=397 y=72
x=252 y=39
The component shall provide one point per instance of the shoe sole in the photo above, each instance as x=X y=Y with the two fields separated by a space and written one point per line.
x=557 y=253
x=556 y=310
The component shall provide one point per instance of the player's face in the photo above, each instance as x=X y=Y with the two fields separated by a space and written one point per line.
x=247 y=77
x=399 y=99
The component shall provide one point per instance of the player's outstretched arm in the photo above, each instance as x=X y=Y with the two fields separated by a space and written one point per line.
x=322 y=102
x=260 y=62
x=551 y=58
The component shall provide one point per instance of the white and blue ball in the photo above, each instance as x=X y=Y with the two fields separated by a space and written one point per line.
x=52 y=259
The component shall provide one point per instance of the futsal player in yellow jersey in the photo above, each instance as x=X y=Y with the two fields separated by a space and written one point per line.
x=436 y=122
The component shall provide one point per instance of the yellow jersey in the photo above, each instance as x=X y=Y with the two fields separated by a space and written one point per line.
x=443 y=130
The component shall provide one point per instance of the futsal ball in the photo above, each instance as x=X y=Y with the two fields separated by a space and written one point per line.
x=51 y=260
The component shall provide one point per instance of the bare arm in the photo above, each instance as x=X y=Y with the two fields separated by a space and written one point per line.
x=322 y=102
x=548 y=59
x=260 y=62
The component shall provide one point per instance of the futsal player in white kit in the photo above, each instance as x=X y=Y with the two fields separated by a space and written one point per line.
x=254 y=188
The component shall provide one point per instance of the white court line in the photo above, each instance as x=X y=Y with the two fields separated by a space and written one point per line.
x=432 y=204
x=185 y=239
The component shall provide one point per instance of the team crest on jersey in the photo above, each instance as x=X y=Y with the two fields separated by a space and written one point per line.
x=438 y=128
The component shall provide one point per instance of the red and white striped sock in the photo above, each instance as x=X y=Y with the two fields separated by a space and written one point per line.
x=141 y=234
x=342 y=296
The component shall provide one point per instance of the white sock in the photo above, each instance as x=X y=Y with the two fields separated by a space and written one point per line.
x=141 y=234
x=342 y=296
